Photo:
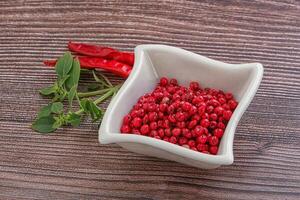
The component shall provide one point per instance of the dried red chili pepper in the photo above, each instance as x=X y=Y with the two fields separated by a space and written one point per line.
x=103 y=52
x=113 y=66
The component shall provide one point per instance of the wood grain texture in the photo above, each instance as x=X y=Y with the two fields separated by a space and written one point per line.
x=70 y=164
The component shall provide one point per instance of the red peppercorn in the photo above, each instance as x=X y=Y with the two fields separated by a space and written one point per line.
x=221 y=125
x=145 y=129
x=176 y=132
x=137 y=122
x=209 y=109
x=126 y=119
x=213 y=150
x=227 y=115
x=196 y=117
x=168 y=132
x=201 y=139
x=180 y=124
x=202 y=147
x=180 y=116
x=166 y=139
x=152 y=116
x=193 y=110
x=136 y=131
x=213 y=116
x=173 y=82
x=192 y=124
x=194 y=85
x=232 y=104
x=191 y=143
x=153 y=125
x=125 y=129
x=222 y=100
x=228 y=96
x=204 y=123
x=213 y=140
x=201 y=110
x=226 y=106
x=186 y=106
x=198 y=130
x=173 y=139
x=163 y=107
x=182 y=141
x=197 y=100
x=161 y=133
x=213 y=124
x=219 y=110
x=164 y=81
x=218 y=133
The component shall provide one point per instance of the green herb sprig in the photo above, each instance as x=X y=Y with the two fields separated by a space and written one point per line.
x=55 y=115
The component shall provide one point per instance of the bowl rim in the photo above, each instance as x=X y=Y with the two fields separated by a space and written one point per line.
x=227 y=158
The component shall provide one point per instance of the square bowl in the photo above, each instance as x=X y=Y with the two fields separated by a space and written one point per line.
x=155 y=61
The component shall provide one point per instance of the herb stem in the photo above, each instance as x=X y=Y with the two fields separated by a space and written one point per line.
x=94 y=93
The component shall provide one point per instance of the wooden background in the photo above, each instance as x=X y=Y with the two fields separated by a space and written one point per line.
x=70 y=164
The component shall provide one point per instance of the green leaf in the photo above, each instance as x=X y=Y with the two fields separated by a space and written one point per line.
x=44 y=124
x=63 y=80
x=92 y=109
x=74 y=119
x=64 y=65
x=45 y=111
x=72 y=94
x=74 y=74
x=57 y=107
x=58 y=123
x=48 y=90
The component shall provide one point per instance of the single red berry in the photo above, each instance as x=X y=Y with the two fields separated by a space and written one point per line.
x=166 y=123
x=153 y=116
x=222 y=100
x=186 y=133
x=228 y=96
x=205 y=131
x=180 y=116
x=218 y=133
x=213 y=140
x=134 y=113
x=173 y=139
x=153 y=125
x=127 y=119
x=213 y=150
x=165 y=100
x=145 y=119
x=164 y=81
x=176 y=97
x=163 y=107
x=227 y=115
x=125 y=129
x=160 y=123
x=202 y=147
x=161 y=133
x=197 y=100
x=194 y=85
x=186 y=106
x=198 y=130
x=193 y=110
x=201 y=110
x=182 y=141
x=172 y=118
x=205 y=116
x=146 y=106
x=193 y=148
x=137 y=122
x=221 y=125
x=145 y=129
x=219 y=110
x=141 y=112
x=168 y=132
x=166 y=139
x=176 y=132
x=213 y=116
x=196 y=117
x=209 y=109
x=136 y=131
x=171 y=89
x=192 y=124
x=204 y=123
x=232 y=104
x=226 y=106
x=157 y=137
x=153 y=133
x=173 y=81
x=181 y=124
x=191 y=143
x=213 y=124
x=201 y=139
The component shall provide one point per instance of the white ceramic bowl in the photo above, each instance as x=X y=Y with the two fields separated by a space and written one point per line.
x=155 y=61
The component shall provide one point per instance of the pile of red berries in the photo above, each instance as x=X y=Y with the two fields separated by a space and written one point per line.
x=193 y=117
